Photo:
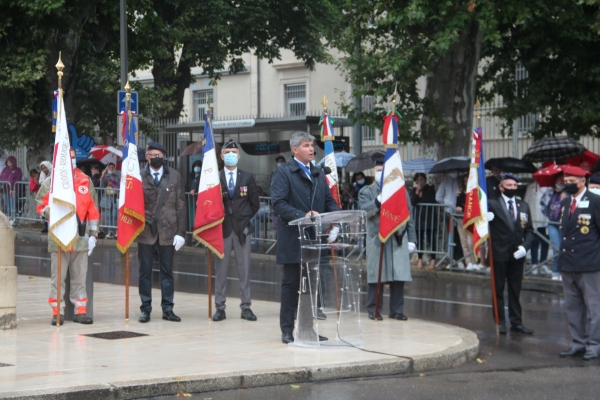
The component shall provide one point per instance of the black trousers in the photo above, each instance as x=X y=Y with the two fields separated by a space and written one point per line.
x=510 y=272
x=428 y=234
x=290 y=285
x=146 y=257
x=396 y=297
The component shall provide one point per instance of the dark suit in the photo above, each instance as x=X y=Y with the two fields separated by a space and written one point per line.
x=239 y=210
x=507 y=236
x=579 y=265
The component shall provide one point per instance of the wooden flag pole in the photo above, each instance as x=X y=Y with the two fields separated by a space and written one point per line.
x=127 y=286
x=58 y=282
x=379 y=282
x=494 y=299
x=209 y=283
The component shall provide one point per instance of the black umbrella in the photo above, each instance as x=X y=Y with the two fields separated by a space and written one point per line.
x=86 y=165
x=460 y=164
x=553 y=148
x=510 y=164
x=364 y=161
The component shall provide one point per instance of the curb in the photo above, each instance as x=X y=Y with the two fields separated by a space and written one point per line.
x=465 y=351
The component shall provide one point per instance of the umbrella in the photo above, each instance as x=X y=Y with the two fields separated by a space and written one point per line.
x=364 y=161
x=417 y=165
x=587 y=157
x=553 y=148
x=460 y=163
x=341 y=159
x=86 y=164
x=196 y=148
x=545 y=176
x=510 y=164
x=106 y=154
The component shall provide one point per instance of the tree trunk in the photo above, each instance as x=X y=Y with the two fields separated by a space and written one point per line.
x=447 y=120
x=168 y=73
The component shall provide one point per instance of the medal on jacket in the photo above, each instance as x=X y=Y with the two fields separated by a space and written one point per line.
x=243 y=190
x=523 y=219
x=584 y=230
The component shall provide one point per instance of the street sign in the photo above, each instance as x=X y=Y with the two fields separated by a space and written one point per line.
x=237 y=123
x=121 y=101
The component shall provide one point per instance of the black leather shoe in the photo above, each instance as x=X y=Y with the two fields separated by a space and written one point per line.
x=62 y=320
x=590 y=355
x=372 y=316
x=220 y=315
x=82 y=319
x=502 y=329
x=572 y=352
x=322 y=338
x=247 y=314
x=321 y=315
x=170 y=316
x=399 y=317
x=145 y=317
x=287 y=337
x=521 y=329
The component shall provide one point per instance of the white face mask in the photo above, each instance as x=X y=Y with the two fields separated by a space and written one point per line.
x=378 y=176
x=595 y=191
x=74 y=162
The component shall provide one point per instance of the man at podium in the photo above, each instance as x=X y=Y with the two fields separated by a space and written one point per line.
x=297 y=190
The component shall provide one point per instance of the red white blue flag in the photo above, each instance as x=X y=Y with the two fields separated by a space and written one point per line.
x=476 y=206
x=327 y=136
x=208 y=227
x=132 y=213
x=394 y=212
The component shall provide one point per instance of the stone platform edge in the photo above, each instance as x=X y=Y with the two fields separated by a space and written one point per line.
x=454 y=356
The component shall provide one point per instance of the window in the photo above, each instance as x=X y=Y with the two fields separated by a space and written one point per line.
x=368 y=103
x=295 y=99
x=201 y=101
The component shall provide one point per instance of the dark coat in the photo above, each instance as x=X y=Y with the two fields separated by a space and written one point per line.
x=291 y=196
x=493 y=192
x=242 y=206
x=506 y=235
x=580 y=252
x=173 y=214
x=425 y=217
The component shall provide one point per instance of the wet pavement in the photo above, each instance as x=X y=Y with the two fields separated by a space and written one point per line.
x=530 y=362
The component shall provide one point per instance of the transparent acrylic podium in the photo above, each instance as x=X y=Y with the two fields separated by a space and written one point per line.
x=330 y=280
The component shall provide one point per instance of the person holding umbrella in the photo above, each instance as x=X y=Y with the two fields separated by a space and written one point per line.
x=426 y=220
x=492 y=183
x=550 y=203
x=447 y=194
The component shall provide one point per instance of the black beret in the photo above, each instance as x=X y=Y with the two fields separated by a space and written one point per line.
x=156 y=146
x=230 y=144
x=595 y=179
x=379 y=161
x=509 y=176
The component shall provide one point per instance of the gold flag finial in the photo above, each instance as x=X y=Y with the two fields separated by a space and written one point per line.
x=60 y=66
x=127 y=95
x=395 y=97
x=208 y=102
x=324 y=102
x=478 y=108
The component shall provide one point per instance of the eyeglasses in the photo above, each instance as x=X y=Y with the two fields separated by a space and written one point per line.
x=160 y=155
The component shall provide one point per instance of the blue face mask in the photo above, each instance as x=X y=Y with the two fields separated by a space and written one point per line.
x=453 y=175
x=360 y=181
x=231 y=159
x=197 y=170
x=280 y=164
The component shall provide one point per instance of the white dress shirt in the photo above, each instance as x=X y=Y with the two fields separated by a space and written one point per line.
x=160 y=172
x=447 y=193
x=227 y=176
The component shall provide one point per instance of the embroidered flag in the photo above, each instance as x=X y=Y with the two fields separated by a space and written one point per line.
x=394 y=212
x=476 y=207
x=132 y=213
x=327 y=136
x=63 y=221
x=208 y=227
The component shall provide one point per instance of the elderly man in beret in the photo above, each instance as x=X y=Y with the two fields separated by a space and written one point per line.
x=579 y=263
x=511 y=230
x=166 y=220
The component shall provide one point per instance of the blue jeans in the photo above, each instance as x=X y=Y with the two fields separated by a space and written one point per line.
x=555 y=239
x=110 y=215
x=8 y=203
x=538 y=242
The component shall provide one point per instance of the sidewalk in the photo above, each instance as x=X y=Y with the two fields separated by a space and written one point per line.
x=38 y=360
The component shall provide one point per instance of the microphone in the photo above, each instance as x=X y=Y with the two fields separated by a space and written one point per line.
x=315 y=174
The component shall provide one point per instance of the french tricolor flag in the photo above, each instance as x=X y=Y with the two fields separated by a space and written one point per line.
x=132 y=214
x=394 y=212
x=327 y=136
x=208 y=228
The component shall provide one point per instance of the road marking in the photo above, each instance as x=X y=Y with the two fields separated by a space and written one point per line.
x=35 y=258
x=448 y=301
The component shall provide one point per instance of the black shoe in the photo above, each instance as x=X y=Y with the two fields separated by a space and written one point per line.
x=521 y=329
x=62 y=320
x=572 y=352
x=321 y=315
x=45 y=230
x=372 y=316
x=220 y=315
x=170 y=316
x=399 y=317
x=101 y=235
x=502 y=329
x=247 y=314
x=82 y=319
x=590 y=355
x=287 y=337
x=145 y=317
x=322 y=338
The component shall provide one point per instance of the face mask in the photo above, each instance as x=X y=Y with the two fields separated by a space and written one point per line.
x=559 y=187
x=595 y=191
x=510 y=193
x=571 y=188
x=378 y=176
x=197 y=170
x=360 y=181
x=453 y=175
x=74 y=162
x=111 y=172
x=231 y=159
x=156 y=163
x=280 y=164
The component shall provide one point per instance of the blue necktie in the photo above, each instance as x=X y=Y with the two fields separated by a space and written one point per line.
x=511 y=211
x=231 y=185
x=156 y=178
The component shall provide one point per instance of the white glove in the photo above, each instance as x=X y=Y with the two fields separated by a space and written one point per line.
x=178 y=242
x=91 y=244
x=489 y=216
x=379 y=197
x=333 y=234
x=520 y=253
x=411 y=247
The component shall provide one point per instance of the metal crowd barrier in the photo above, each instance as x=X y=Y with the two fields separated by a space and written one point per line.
x=431 y=228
